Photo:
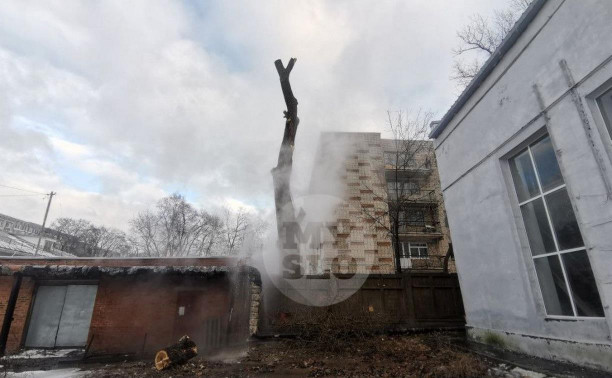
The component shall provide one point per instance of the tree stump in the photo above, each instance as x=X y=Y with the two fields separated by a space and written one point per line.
x=176 y=354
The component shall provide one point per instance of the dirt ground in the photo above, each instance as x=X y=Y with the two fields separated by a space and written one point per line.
x=426 y=355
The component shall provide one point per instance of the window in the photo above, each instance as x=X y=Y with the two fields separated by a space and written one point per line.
x=399 y=189
x=390 y=158
x=414 y=250
x=412 y=217
x=399 y=159
x=605 y=105
x=561 y=262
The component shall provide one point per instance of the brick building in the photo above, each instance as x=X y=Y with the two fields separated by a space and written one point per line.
x=128 y=306
x=371 y=176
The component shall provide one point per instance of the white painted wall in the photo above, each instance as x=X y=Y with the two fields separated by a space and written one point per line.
x=494 y=263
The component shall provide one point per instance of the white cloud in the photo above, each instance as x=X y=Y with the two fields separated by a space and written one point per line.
x=114 y=104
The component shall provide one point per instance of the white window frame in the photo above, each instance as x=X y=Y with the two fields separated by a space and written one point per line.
x=413 y=244
x=558 y=252
x=606 y=122
x=604 y=130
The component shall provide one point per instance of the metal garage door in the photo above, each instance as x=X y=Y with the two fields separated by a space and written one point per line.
x=61 y=316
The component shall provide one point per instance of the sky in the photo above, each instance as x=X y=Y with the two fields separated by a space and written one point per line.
x=116 y=104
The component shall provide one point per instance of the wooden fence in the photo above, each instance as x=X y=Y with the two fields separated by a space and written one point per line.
x=425 y=300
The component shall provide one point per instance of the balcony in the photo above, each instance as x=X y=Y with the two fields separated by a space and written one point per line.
x=416 y=219
x=406 y=165
x=407 y=169
x=412 y=196
x=423 y=231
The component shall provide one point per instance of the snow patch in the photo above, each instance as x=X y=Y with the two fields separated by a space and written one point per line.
x=59 y=373
x=45 y=353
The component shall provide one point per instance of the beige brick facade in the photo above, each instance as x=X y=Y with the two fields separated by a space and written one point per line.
x=352 y=166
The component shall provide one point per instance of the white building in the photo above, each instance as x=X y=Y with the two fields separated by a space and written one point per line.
x=525 y=159
x=19 y=238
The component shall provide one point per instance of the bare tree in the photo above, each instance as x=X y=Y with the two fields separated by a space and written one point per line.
x=180 y=225
x=70 y=234
x=144 y=235
x=210 y=231
x=235 y=227
x=481 y=37
x=106 y=242
x=410 y=162
x=175 y=229
x=82 y=238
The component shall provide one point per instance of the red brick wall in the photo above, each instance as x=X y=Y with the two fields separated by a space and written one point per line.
x=134 y=314
x=139 y=315
x=21 y=309
x=128 y=308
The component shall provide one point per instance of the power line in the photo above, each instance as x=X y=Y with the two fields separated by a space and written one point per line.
x=23 y=195
x=23 y=190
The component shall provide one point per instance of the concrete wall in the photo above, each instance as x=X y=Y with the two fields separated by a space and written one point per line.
x=493 y=259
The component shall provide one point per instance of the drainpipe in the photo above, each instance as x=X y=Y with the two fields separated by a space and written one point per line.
x=10 y=309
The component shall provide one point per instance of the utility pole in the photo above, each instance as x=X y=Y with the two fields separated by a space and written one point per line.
x=44 y=222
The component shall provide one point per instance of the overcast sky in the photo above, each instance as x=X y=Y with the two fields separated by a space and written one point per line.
x=115 y=104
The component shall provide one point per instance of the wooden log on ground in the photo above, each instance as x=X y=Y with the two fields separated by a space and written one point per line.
x=176 y=354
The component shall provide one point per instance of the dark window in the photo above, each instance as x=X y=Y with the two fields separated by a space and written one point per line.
x=401 y=189
x=553 y=286
x=412 y=217
x=605 y=105
x=399 y=159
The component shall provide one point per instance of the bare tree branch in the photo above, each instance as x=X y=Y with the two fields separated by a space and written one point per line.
x=481 y=37
x=407 y=165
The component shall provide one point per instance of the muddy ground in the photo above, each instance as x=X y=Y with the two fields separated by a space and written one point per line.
x=426 y=355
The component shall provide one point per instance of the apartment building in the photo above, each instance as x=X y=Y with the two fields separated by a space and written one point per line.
x=390 y=195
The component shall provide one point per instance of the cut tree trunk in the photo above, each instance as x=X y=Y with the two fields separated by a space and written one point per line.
x=176 y=354
x=281 y=174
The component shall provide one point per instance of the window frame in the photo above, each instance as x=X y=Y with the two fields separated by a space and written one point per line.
x=598 y=116
x=527 y=147
x=392 y=158
x=410 y=245
x=407 y=188
x=607 y=118
x=404 y=218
